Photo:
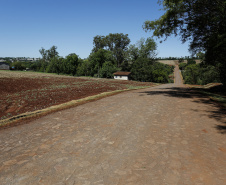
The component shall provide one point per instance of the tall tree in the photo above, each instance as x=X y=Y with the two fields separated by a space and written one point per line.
x=143 y=49
x=147 y=48
x=48 y=56
x=202 y=22
x=98 y=42
x=133 y=53
x=117 y=43
x=55 y=65
x=99 y=58
x=72 y=62
x=52 y=53
x=85 y=68
x=107 y=70
x=43 y=52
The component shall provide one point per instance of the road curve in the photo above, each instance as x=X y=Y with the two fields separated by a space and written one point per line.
x=162 y=135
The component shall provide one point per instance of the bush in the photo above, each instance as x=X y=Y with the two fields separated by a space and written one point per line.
x=147 y=70
x=191 y=61
x=19 y=66
x=200 y=74
x=182 y=66
x=107 y=70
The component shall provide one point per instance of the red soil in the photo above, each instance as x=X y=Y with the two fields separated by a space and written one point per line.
x=20 y=95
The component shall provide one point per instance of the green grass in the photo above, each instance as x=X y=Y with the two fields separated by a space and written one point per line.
x=216 y=97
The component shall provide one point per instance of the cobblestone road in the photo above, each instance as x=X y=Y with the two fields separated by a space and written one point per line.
x=162 y=135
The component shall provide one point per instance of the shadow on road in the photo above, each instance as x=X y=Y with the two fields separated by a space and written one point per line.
x=218 y=112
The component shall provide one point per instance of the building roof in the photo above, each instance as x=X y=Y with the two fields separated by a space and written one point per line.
x=122 y=73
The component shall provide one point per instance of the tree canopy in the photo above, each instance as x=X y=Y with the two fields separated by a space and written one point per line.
x=202 y=22
x=115 y=42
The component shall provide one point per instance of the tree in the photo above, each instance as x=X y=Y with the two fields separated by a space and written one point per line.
x=48 y=56
x=72 y=62
x=208 y=74
x=55 y=65
x=142 y=70
x=35 y=66
x=182 y=66
x=44 y=53
x=147 y=48
x=133 y=53
x=142 y=49
x=99 y=58
x=147 y=70
x=200 y=74
x=200 y=55
x=19 y=65
x=99 y=43
x=85 y=68
x=191 y=61
x=52 y=53
x=107 y=70
x=116 y=43
x=202 y=22
x=181 y=60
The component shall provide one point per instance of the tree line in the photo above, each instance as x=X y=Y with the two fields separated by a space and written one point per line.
x=110 y=53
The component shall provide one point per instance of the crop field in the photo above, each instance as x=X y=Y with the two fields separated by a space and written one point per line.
x=23 y=92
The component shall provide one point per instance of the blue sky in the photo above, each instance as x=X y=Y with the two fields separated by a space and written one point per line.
x=28 y=25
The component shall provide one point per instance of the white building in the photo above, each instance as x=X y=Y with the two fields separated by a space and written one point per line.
x=122 y=75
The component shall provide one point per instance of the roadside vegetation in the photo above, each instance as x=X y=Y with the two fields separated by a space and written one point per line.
x=216 y=96
x=199 y=74
x=203 y=24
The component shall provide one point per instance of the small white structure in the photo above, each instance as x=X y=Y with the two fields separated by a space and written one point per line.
x=4 y=66
x=122 y=75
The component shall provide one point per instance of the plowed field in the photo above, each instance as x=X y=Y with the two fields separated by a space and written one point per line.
x=26 y=91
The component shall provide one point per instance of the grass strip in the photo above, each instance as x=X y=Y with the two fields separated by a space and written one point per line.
x=215 y=97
